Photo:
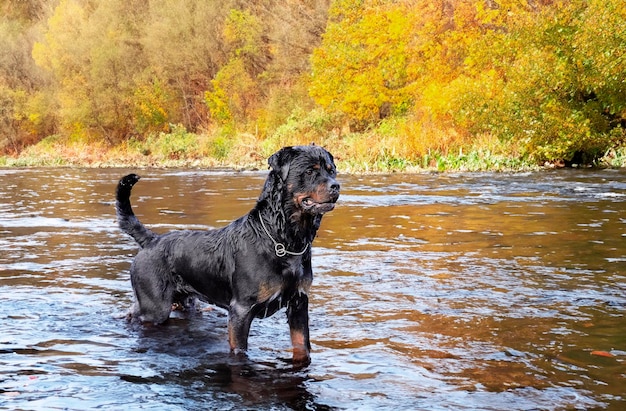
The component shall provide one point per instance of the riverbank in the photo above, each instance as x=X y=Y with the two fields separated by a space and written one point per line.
x=352 y=154
x=248 y=154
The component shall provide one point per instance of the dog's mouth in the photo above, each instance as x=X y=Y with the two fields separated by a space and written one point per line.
x=318 y=207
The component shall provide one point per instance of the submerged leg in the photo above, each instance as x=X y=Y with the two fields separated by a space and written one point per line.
x=298 y=319
x=153 y=291
x=239 y=321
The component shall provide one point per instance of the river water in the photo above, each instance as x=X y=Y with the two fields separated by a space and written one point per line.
x=431 y=292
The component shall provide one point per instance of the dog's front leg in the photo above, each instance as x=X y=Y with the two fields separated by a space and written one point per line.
x=239 y=321
x=298 y=319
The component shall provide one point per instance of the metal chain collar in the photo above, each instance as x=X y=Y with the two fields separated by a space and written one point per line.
x=279 y=248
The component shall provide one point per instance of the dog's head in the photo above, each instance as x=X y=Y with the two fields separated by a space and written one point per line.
x=308 y=175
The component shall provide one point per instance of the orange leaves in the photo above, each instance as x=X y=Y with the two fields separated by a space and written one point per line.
x=602 y=354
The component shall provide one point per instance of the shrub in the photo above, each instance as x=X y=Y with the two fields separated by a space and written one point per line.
x=176 y=144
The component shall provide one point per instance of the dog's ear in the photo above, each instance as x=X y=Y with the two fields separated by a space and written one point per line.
x=332 y=159
x=280 y=160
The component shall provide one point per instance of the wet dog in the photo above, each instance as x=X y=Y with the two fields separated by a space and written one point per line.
x=254 y=266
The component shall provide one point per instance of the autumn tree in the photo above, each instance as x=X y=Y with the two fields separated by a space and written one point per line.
x=268 y=44
x=363 y=66
x=26 y=114
x=295 y=29
x=93 y=53
x=183 y=47
x=544 y=83
x=600 y=60
x=133 y=68
x=237 y=87
x=544 y=77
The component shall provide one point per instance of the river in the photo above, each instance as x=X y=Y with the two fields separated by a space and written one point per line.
x=432 y=291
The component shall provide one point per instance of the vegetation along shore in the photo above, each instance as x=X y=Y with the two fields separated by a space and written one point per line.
x=384 y=85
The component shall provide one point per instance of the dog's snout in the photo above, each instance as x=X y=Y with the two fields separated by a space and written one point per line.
x=334 y=187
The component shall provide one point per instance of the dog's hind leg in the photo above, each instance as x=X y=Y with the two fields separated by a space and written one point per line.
x=153 y=292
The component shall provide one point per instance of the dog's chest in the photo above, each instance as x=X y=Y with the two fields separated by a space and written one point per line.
x=275 y=292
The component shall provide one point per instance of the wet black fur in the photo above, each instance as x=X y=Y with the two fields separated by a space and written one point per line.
x=236 y=267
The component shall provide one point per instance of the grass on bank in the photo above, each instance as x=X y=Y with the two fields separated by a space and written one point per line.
x=353 y=154
x=396 y=145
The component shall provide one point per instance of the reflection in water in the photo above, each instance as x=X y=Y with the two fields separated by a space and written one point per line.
x=213 y=376
x=438 y=292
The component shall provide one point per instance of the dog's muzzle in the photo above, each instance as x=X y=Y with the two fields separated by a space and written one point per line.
x=322 y=201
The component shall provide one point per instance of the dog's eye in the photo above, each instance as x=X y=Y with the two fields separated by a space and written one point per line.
x=309 y=171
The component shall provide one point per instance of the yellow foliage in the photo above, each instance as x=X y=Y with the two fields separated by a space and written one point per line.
x=388 y=79
x=362 y=68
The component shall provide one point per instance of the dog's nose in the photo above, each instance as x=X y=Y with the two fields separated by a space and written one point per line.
x=334 y=187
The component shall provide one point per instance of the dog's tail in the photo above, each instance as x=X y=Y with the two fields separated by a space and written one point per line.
x=125 y=216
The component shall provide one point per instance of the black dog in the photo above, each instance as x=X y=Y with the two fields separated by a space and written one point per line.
x=254 y=266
